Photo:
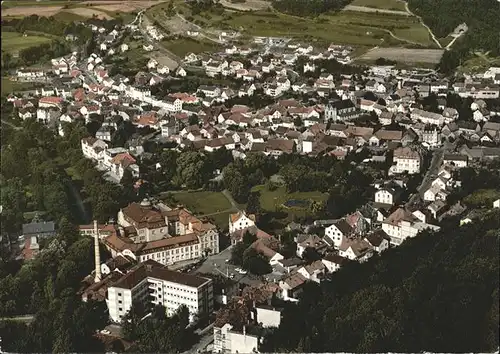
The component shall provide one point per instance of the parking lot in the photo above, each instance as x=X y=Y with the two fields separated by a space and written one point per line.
x=219 y=264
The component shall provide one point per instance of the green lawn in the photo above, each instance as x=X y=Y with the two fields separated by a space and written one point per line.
x=415 y=33
x=204 y=202
x=14 y=42
x=273 y=200
x=381 y=4
x=66 y=16
x=183 y=46
x=9 y=86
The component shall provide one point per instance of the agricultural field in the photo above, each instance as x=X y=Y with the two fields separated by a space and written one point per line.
x=13 y=42
x=396 y=5
x=432 y=56
x=346 y=27
x=82 y=9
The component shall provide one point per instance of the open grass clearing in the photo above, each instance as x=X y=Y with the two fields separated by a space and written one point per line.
x=66 y=16
x=9 y=86
x=415 y=33
x=204 y=202
x=183 y=46
x=274 y=200
x=89 y=12
x=381 y=4
x=22 y=11
x=13 y=42
x=7 y=4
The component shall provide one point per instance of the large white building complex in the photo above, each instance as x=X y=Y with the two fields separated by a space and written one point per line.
x=166 y=235
x=153 y=283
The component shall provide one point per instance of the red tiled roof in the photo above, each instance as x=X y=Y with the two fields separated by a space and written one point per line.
x=50 y=99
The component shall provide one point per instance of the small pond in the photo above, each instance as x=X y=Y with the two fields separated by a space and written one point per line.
x=296 y=203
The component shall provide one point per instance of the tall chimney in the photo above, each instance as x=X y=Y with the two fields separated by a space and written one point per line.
x=97 y=254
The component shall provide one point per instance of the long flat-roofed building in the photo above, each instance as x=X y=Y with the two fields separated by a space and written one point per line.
x=151 y=283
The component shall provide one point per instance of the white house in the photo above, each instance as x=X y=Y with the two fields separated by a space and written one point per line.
x=268 y=316
x=338 y=231
x=228 y=341
x=386 y=196
x=240 y=221
x=406 y=160
x=333 y=262
x=456 y=160
x=496 y=203
x=379 y=240
x=402 y=224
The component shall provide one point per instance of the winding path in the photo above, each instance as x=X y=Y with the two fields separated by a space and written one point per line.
x=423 y=24
x=373 y=9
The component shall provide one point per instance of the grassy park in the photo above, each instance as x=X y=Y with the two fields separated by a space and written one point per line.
x=210 y=203
x=274 y=200
x=183 y=46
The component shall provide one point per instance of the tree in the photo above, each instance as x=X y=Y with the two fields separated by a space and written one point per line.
x=193 y=120
x=310 y=255
x=192 y=170
x=297 y=122
x=396 y=301
x=236 y=183
x=253 y=204
x=255 y=263
x=6 y=60
x=249 y=238
x=237 y=253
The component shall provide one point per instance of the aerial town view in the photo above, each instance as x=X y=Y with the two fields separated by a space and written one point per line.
x=250 y=176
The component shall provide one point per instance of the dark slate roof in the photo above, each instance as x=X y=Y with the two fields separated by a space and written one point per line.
x=36 y=228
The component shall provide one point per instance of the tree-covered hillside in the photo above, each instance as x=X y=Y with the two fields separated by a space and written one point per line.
x=437 y=292
x=481 y=16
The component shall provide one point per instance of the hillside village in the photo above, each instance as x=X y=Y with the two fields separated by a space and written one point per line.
x=293 y=99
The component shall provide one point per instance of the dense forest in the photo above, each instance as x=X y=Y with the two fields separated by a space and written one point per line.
x=309 y=7
x=437 y=292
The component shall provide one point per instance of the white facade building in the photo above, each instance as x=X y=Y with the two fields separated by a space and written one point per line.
x=406 y=160
x=240 y=221
x=228 y=341
x=384 y=196
x=152 y=283
x=402 y=224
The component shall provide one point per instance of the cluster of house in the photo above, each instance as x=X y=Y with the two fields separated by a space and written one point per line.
x=84 y=88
